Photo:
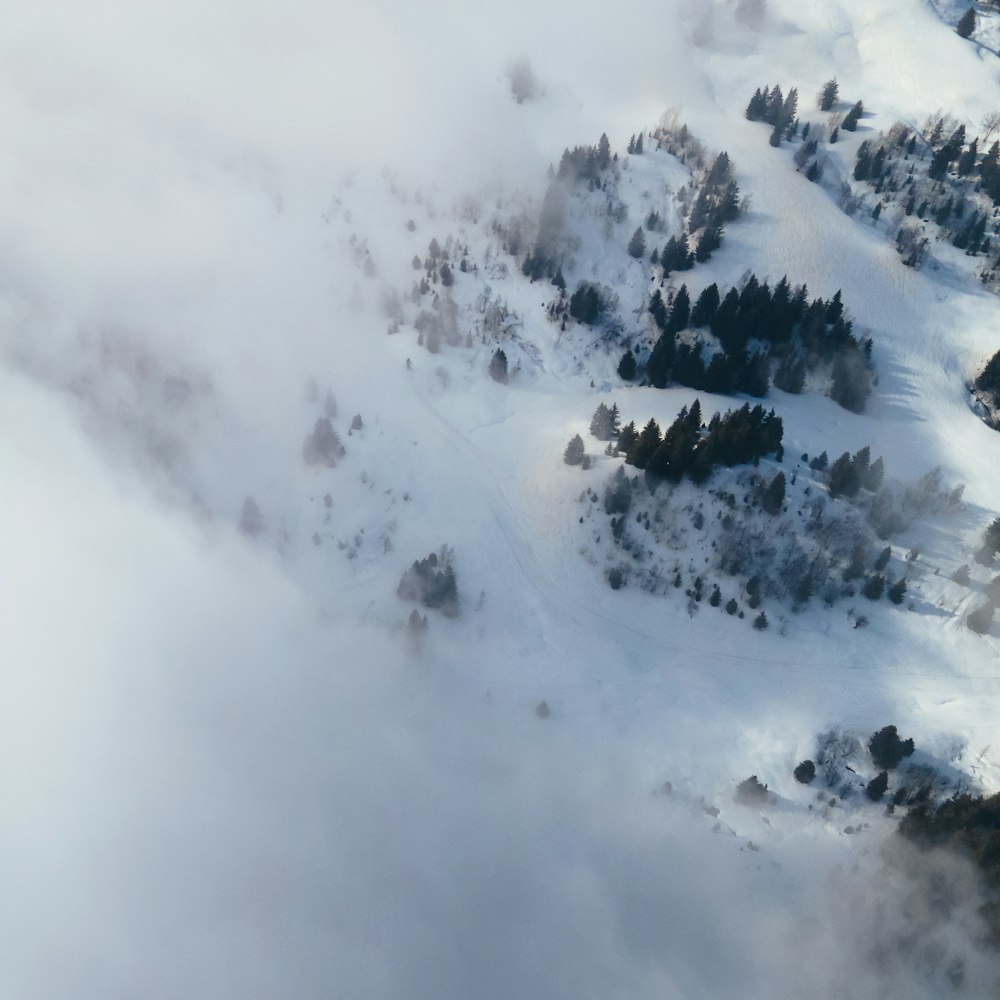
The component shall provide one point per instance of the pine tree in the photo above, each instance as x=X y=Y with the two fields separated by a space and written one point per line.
x=805 y=772
x=774 y=495
x=637 y=245
x=603 y=152
x=709 y=242
x=989 y=379
x=646 y=443
x=828 y=95
x=876 y=788
x=757 y=107
x=966 y=23
x=851 y=119
x=887 y=749
x=627 y=437
x=706 y=307
x=604 y=424
x=844 y=479
x=498 y=366
x=898 y=591
x=626 y=367
x=574 y=453
x=680 y=314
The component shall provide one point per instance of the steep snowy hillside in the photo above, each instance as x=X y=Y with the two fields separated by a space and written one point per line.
x=299 y=309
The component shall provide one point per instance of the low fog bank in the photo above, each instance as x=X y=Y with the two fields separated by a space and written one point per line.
x=210 y=793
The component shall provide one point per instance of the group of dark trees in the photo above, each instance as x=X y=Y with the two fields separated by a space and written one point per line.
x=691 y=448
x=988 y=380
x=606 y=423
x=762 y=333
x=849 y=474
x=970 y=826
x=938 y=177
x=780 y=111
x=431 y=581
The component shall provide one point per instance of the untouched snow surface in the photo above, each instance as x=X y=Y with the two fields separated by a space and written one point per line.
x=229 y=771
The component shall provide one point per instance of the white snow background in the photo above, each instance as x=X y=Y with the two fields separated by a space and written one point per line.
x=226 y=771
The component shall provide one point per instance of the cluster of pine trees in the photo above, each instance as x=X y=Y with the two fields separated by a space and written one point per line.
x=936 y=176
x=432 y=582
x=778 y=110
x=759 y=329
x=690 y=448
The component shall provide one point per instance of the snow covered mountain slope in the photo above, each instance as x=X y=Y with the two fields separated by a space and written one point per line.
x=229 y=768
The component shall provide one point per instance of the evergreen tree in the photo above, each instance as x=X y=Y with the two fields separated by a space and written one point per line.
x=680 y=314
x=709 y=241
x=626 y=367
x=828 y=95
x=604 y=424
x=586 y=304
x=774 y=495
x=790 y=375
x=966 y=23
x=805 y=772
x=637 y=245
x=757 y=107
x=498 y=366
x=721 y=172
x=852 y=383
x=967 y=161
x=627 y=437
x=760 y=622
x=618 y=492
x=646 y=443
x=603 y=152
x=661 y=360
x=989 y=379
x=898 y=591
x=844 y=478
x=706 y=307
x=876 y=788
x=874 y=587
x=322 y=446
x=873 y=476
x=851 y=119
x=887 y=749
x=574 y=453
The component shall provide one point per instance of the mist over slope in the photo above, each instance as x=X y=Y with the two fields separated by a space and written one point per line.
x=230 y=769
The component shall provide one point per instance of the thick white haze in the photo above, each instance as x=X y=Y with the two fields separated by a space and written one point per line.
x=225 y=773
